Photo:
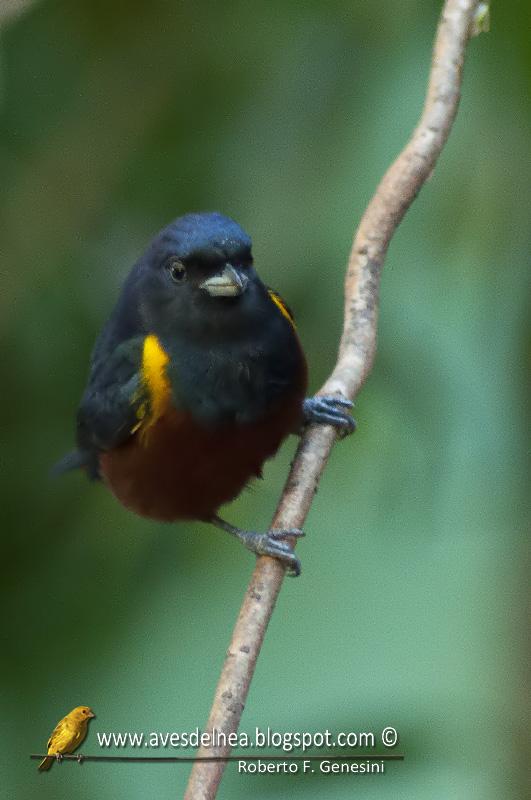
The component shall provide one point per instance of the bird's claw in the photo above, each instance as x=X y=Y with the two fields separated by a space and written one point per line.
x=79 y=758
x=273 y=544
x=59 y=757
x=328 y=410
x=283 y=533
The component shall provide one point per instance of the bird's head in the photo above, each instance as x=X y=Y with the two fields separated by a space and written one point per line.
x=82 y=714
x=197 y=277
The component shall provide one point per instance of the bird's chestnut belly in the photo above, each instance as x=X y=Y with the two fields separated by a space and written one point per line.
x=177 y=469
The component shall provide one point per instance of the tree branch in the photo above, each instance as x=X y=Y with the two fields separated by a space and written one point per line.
x=394 y=195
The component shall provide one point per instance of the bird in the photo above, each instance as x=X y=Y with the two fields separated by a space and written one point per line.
x=195 y=380
x=67 y=735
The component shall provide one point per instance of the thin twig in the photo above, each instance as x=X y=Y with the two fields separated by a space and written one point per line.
x=394 y=195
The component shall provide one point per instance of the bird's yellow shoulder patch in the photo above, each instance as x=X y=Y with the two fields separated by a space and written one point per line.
x=279 y=302
x=155 y=383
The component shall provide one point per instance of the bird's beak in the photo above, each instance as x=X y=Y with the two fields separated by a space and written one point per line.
x=91 y=714
x=227 y=283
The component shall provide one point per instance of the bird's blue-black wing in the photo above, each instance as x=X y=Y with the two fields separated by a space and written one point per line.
x=108 y=412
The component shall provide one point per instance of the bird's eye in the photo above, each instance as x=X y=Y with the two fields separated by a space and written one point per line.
x=176 y=270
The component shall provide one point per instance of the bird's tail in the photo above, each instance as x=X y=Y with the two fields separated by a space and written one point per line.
x=77 y=459
x=46 y=763
x=73 y=460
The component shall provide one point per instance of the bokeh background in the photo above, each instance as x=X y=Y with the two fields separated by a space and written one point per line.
x=116 y=117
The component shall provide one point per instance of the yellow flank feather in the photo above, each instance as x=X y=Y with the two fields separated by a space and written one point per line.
x=278 y=301
x=155 y=382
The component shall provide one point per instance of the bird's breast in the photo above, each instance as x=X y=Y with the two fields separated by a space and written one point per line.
x=208 y=420
x=180 y=469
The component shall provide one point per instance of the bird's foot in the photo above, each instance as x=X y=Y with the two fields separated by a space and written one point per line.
x=267 y=544
x=59 y=757
x=330 y=410
x=79 y=758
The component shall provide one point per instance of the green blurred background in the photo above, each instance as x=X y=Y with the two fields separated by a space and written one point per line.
x=117 y=117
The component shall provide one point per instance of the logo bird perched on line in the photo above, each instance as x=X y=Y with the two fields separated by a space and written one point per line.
x=195 y=380
x=67 y=735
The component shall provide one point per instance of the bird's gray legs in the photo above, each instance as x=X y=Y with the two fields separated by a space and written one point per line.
x=265 y=544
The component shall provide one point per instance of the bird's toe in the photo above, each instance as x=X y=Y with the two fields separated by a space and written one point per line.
x=330 y=410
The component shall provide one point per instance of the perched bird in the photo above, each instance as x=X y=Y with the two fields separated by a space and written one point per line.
x=195 y=380
x=67 y=735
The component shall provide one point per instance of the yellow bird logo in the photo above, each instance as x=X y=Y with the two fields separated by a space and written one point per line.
x=67 y=735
